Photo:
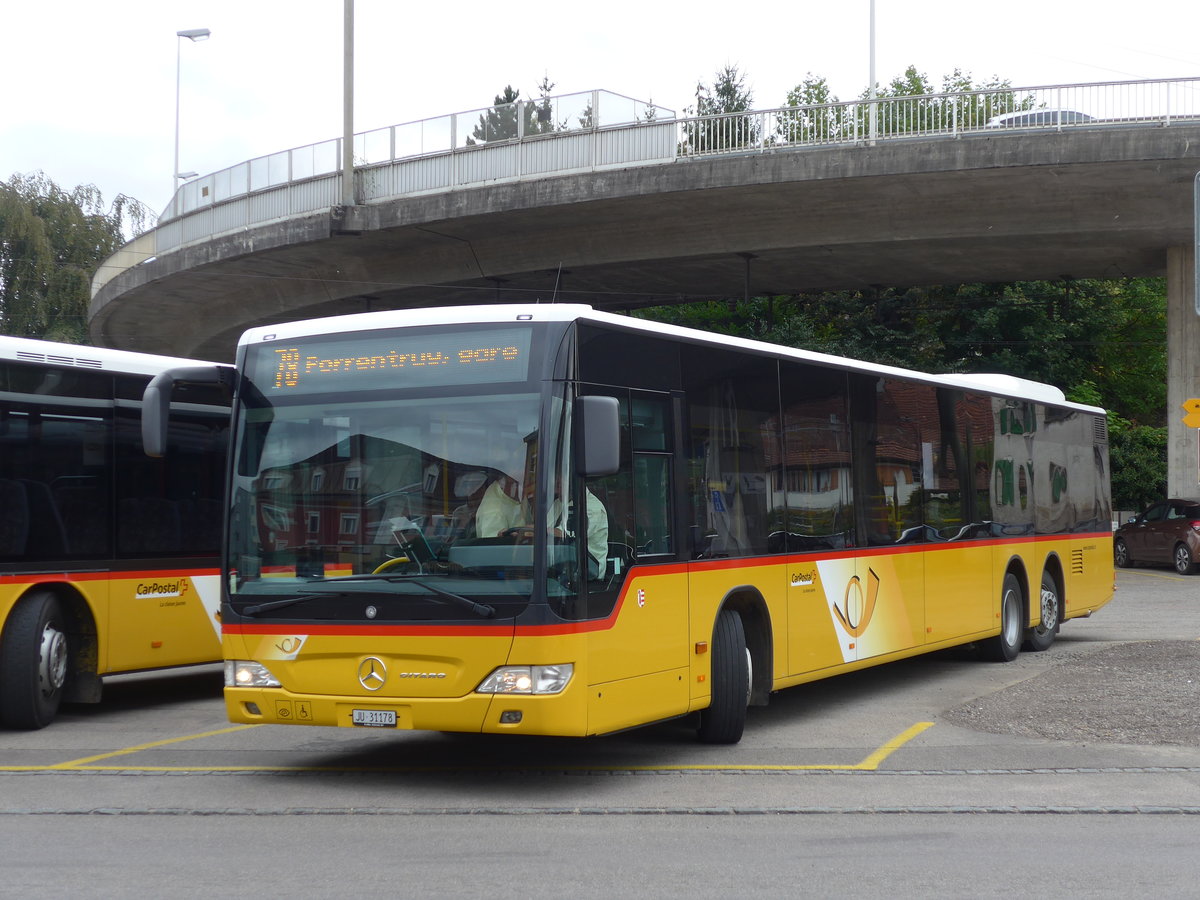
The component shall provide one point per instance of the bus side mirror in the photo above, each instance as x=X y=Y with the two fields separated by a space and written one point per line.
x=600 y=447
x=156 y=403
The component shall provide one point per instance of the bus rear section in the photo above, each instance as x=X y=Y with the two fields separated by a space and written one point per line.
x=108 y=559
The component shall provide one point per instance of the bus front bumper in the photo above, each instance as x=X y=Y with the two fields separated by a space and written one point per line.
x=561 y=714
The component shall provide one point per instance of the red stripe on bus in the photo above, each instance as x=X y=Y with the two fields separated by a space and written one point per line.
x=23 y=577
x=638 y=571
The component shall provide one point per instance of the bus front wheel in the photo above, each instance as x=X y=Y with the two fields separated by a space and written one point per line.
x=34 y=661
x=725 y=718
x=1005 y=646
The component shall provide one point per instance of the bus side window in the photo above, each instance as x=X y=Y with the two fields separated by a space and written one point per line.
x=651 y=441
x=733 y=411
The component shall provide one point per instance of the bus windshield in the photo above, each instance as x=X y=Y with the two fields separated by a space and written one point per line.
x=408 y=502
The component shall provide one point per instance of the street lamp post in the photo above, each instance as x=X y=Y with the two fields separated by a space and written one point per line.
x=193 y=35
x=871 y=93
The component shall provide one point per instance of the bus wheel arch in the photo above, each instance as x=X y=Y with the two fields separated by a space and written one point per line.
x=756 y=624
x=740 y=665
x=1051 y=602
x=48 y=654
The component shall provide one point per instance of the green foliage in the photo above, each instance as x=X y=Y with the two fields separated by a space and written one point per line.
x=500 y=121
x=1103 y=342
x=728 y=94
x=945 y=110
x=51 y=242
x=817 y=117
x=1137 y=456
x=960 y=104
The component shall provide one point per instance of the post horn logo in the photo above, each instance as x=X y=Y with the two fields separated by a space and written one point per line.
x=858 y=609
x=372 y=673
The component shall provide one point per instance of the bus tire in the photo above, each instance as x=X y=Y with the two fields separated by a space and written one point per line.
x=725 y=718
x=1042 y=635
x=34 y=662
x=1005 y=646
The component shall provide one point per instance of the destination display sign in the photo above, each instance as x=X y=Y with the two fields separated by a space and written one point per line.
x=391 y=359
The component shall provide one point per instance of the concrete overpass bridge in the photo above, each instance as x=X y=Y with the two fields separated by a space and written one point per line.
x=601 y=199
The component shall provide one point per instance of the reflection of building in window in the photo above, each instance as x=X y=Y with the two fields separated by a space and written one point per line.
x=318 y=479
x=352 y=479
x=349 y=524
x=314 y=522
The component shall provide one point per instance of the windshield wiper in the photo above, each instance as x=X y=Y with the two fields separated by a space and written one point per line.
x=480 y=609
x=280 y=604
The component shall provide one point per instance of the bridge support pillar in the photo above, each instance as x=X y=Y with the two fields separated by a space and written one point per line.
x=1183 y=372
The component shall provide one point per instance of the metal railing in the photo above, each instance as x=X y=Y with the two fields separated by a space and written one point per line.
x=948 y=115
x=559 y=116
x=599 y=130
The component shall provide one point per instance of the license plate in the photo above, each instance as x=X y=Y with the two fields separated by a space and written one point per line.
x=374 y=718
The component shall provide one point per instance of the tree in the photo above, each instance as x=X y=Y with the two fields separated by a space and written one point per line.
x=1102 y=341
x=499 y=122
x=815 y=117
x=727 y=96
x=959 y=105
x=51 y=243
x=1104 y=336
x=540 y=116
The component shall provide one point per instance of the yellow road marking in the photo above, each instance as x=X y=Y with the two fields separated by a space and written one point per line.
x=870 y=763
x=83 y=763
x=1160 y=575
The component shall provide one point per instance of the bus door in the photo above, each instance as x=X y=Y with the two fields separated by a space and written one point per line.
x=813 y=505
x=956 y=478
x=882 y=605
x=168 y=531
x=637 y=589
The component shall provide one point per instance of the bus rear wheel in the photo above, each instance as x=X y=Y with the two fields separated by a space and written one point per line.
x=34 y=661
x=1042 y=635
x=725 y=718
x=1005 y=646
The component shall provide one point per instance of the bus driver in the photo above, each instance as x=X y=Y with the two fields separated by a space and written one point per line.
x=501 y=514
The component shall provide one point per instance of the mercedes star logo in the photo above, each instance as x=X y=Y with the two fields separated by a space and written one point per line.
x=372 y=673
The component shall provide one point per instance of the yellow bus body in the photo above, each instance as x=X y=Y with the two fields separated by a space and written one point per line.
x=649 y=660
x=145 y=619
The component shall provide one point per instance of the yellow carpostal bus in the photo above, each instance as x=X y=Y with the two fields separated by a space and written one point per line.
x=109 y=560
x=547 y=520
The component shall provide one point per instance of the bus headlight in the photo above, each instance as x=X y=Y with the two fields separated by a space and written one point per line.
x=243 y=673
x=527 y=680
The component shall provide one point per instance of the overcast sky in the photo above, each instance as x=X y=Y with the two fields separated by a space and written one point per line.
x=90 y=85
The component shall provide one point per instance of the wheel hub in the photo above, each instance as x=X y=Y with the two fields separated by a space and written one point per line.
x=1049 y=609
x=52 y=660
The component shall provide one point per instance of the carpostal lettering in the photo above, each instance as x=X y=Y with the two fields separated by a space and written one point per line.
x=157 y=589
x=292 y=364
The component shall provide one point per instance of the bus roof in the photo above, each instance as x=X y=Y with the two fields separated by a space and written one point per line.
x=1004 y=385
x=15 y=349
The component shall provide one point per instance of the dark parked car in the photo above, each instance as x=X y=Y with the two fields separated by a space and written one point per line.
x=1167 y=532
